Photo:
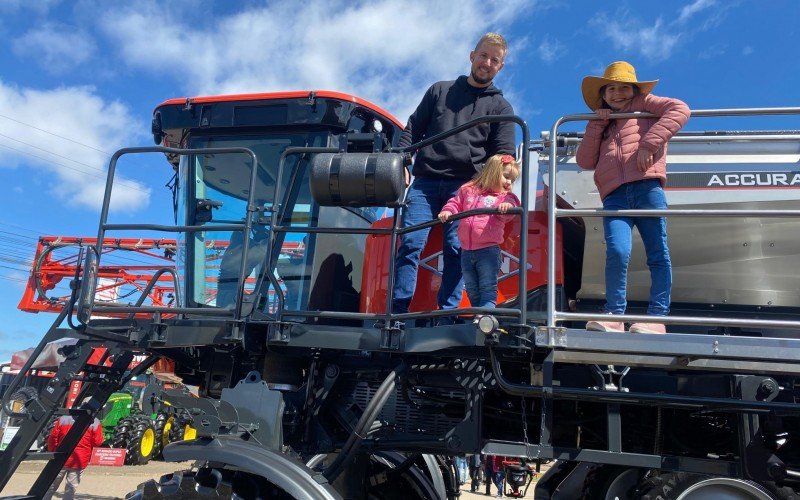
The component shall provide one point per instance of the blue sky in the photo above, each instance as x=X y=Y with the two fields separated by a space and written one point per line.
x=79 y=80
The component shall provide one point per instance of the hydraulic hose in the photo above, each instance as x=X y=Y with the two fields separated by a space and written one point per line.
x=351 y=446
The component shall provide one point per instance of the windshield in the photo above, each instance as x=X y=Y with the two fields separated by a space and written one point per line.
x=223 y=181
x=311 y=271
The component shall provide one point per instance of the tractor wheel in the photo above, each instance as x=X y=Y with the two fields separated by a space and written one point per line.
x=391 y=478
x=609 y=482
x=122 y=433
x=182 y=430
x=208 y=483
x=683 y=486
x=395 y=476
x=176 y=433
x=142 y=442
x=164 y=424
x=19 y=400
x=189 y=432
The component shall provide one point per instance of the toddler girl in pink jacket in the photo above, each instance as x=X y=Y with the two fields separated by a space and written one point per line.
x=628 y=157
x=481 y=235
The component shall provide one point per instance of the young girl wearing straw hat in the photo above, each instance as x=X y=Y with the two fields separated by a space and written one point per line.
x=628 y=156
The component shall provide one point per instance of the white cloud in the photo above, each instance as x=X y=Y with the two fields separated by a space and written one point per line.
x=747 y=50
x=655 y=42
x=56 y=48
x=713 y=51
x=386 y=51
x=690 y=10
x=81 y=126
x=550 y=50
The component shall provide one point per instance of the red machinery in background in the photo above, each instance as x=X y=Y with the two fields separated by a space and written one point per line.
x=57 y=258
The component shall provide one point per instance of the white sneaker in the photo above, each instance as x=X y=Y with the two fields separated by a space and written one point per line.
x=606 y=326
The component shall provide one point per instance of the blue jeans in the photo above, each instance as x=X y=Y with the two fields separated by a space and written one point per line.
x=645 y=194
x=461 y=465
x=424 y=201
x=499 y=477
x=480 y=268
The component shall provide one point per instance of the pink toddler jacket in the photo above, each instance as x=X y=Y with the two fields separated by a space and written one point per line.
x=485 y=230
x=613 y=157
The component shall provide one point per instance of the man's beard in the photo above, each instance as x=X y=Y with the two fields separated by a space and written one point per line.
x=479 y=80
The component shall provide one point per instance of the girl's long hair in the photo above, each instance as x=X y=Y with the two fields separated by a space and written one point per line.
x=489 y=176
x=604 y=104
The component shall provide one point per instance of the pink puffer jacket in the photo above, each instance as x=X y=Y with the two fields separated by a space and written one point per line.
x=613 y=157
x=485 y=230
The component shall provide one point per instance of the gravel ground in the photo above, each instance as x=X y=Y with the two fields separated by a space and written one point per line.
x=109 y=483
x=97 y=483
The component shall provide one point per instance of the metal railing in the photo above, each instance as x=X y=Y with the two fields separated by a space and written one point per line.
x=395 y=231
x=554 y=317
x=244 y=227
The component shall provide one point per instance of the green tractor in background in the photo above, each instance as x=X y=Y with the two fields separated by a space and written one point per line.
x=137 y=420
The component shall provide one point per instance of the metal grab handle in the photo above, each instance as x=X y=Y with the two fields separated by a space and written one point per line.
x=245 y=227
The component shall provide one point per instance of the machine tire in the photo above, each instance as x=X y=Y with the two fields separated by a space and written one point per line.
x=416 y=479
x=22 y=395
x=414 y=482
x=142 y=442
x=182 y=430
x=163 y=424
x=208 y=483
x=672 y=486
x=601 y=477
x=122 y=433
x=782 y=492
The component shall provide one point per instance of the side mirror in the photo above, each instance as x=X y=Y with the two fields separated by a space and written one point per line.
x=202 y=211
x=156 y=129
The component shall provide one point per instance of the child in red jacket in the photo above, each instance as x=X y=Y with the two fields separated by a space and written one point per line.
x=78 y=460
x=481 y=235
x=629 y=160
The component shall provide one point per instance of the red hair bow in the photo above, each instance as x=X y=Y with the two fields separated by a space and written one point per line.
x=506 y=159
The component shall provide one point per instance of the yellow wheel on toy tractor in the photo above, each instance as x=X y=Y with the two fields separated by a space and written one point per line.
x=141 y=444
x=148 y=441
x=167 y=430
x=189 y=432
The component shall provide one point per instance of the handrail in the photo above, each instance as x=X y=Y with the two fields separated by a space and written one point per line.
x=554 y=316
x=244 y=227
x=395 y=231
x=576 y=139
x=152 y=283
x=525 y=181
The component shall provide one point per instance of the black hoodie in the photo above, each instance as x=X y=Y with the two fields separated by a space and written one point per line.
x=447 y=105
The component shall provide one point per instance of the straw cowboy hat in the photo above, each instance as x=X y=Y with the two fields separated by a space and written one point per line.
x=616 y=72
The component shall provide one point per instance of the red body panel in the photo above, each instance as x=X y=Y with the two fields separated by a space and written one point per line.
x=283 y=95
x=376 y=266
